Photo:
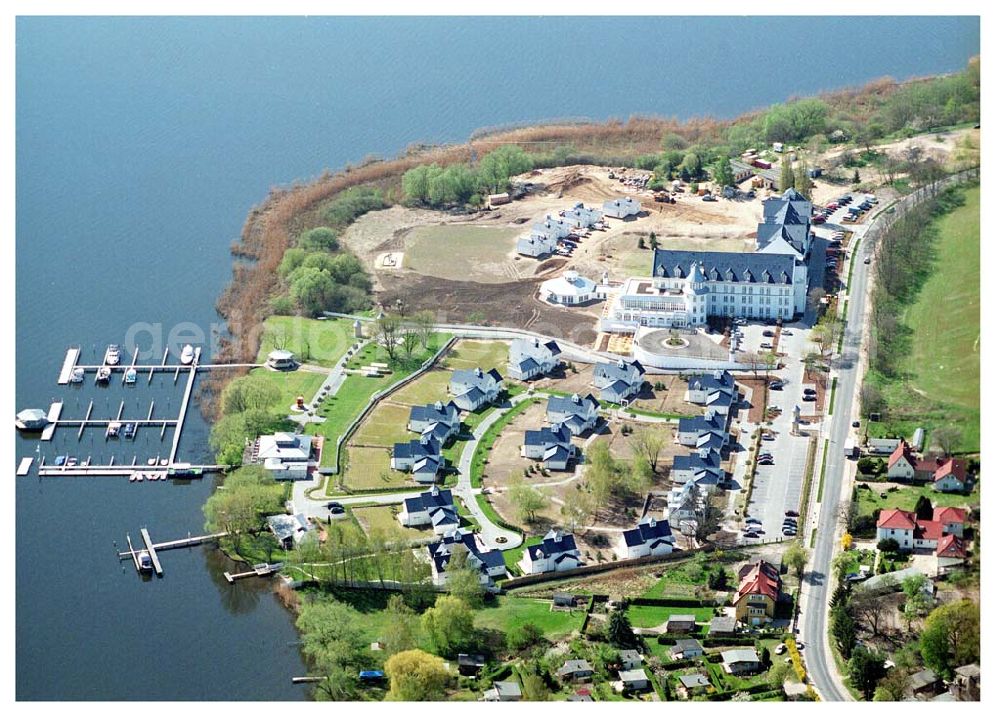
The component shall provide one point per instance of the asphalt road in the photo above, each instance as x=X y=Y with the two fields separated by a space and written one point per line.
x=817 y=580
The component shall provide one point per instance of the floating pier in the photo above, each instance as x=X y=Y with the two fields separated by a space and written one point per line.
x=151 y=548
x=53 y=418
x=184 y=405
x=72 y=355
x=25 y=466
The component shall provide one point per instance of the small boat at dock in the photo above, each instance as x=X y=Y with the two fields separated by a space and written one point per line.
x=130 y=375
x=145 y=561
x=113 y=429
x=103 y=375
x=113 y=355
x=76 y=376
x=187 y=354
x=129 y=430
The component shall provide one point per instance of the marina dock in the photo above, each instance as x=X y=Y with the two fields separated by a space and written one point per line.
x=184 y=405
x=153 y=548
x=72 y=355
x=53 y=418
x=25 y=466
x=259 y=570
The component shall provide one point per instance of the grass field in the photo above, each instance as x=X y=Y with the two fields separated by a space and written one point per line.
x=368 y=468
x=427 y=388
x=290 y=385
x=942 y=372
x=321 y=342
x=512 y=612
x=906 y=498
x=385 y=426
x=469 y=354
x=384 y=519
x=654 y=616
x=459 y=252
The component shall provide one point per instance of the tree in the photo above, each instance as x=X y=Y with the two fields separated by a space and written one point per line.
x=533 y=688
x=311 y=288
x=415 y=676
x=463 y=581
x=423 y=325
x=857 y=177
x=841 y=563
x=448 y=625
x=871 y=398
x=846 y=541
x=796 y=557
x=318 y=238
x=843 y=629
x=230 y=435
x=722 y=172
x=331 y=636
x=691 y=164
x=399 y=635
x=497 y=167
x=388 y=329
x=951 y=636
x=578 y=507
x=894 y=687
x=918 y=602
x=653 y=242
x=717 y=578
x=888 y=546
x=526 y=499
x=924 y=508
x=619 y=631
x=646 y=446
x=524 y=636
x=865 y=669
x=787 y=177
x=947 y=437
x=777 y=674
x=249 y=392
x=870 y=610
x=803 y=183
x=248 y=494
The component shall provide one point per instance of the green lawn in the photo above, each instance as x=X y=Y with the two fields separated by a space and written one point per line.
x=906 y=498
x=368 y=468
x=942 y=373
x=469 y=354
x=512 y=612
x=383 y=518
x=641 y=616
x=385 y=426
x=427 y=388
x=321 y=342
x=290 y=385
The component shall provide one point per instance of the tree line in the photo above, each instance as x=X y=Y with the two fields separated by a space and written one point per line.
x=462 y=184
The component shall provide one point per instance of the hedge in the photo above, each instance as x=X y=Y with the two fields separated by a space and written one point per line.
x=671 y=602
x=761 y=691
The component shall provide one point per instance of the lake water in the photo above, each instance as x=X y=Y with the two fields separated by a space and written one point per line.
x=142 y=143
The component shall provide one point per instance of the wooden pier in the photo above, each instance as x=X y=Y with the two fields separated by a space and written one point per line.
x=153 y=548
x=259 y=570
x=184 y=405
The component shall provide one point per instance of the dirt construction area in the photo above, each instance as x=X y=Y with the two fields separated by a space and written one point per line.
x=441 y=261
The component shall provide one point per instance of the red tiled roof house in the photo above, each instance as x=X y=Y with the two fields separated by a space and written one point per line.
x=913 y=533
x=951 y=476
x=758 y=592
x=902 y=465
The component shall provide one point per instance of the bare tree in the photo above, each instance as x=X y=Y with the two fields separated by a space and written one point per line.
x=947 y=437
x=423 y=325
x=387 y=331
x=871 y=398
x=757 y=361
x=409 y=341
x=646 y=445
x=870 y=609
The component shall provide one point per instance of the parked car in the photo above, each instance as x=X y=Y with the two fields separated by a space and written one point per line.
x=765 y=345
x=766 y=461
x=808 y=390
x=335 y=507
x=775 y=385
x=808 y=398
x=769 y=333
x=752 y=520
x=856 y=423
x=868 y=260
x=780 y=649
x=789 y=533
x=787 y=333
x=791 y=513
x=750 y=535
x=765 y=455
x=800 y=646
x=790 y=522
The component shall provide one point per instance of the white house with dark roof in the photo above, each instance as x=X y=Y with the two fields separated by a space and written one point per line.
x=569 y=289
x=555 y=227
x=581 y=216
x=622 y=207
x=488 y=562
x=702 y=387
x=618 y=381
x=786 y=228
x=577 y=413
x=531 y=358
x=474 y=389
x=289 y=529
x=691 y=429
x=549 y=445
x=421 y=457
x=650 y=538
x=424 y=417
x=536 y=245
x=557 y=552
x=703 y=466
x=435 y=508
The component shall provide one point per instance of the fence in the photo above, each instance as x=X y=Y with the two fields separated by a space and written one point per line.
x=596 y=569
x=381 y=394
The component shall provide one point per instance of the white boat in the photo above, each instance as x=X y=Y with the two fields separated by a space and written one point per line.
x=145 y=562
x=130 y=375
x=112 y=356
x=114 y=428
x=187 y=354
x=31 y=419
x=77 y=376
x=103 y=375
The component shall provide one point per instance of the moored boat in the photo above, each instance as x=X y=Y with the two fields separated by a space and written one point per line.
x=113 y=429
x=187 y=354
x=130 y=375
x=145 y=562
x=103 y=375
x=77 y=376
x=113 y=355
x=31 y=420
x=129 y=431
